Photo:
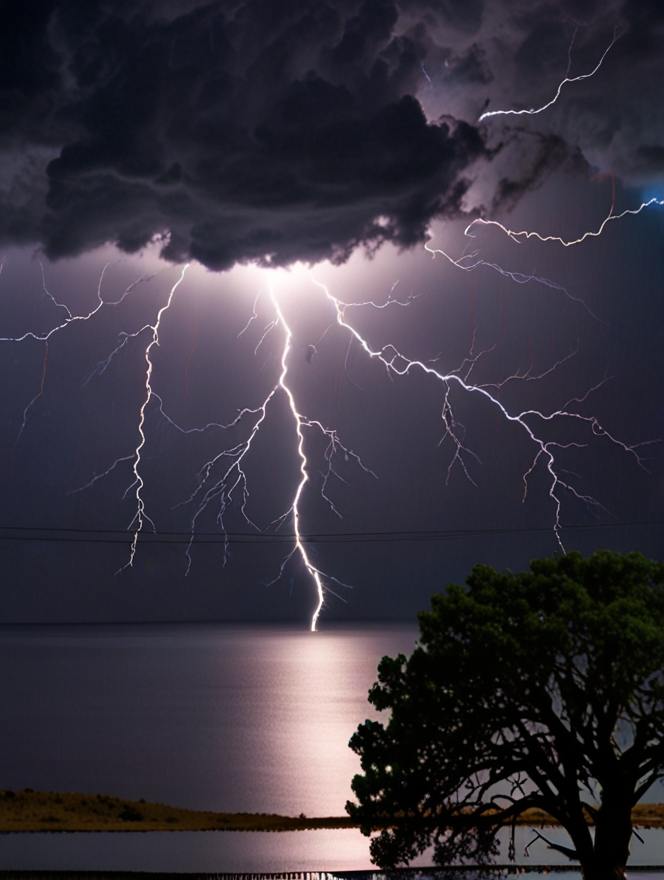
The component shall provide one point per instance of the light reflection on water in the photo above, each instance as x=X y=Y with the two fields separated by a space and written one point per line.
x=227 y=718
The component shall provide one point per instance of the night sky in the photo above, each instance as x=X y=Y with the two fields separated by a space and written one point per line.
x=297 y=157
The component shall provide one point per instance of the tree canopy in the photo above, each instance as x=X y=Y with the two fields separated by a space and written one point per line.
x=542 y=689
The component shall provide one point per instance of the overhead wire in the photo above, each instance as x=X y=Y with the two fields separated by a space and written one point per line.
x=112 y=536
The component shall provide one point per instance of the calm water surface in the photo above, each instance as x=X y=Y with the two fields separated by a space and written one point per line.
x=209 y=717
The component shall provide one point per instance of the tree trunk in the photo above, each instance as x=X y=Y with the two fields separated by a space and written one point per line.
x=601 y=870
x=613 y=835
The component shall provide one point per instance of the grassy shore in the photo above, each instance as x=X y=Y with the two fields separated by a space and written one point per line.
x=30 y=811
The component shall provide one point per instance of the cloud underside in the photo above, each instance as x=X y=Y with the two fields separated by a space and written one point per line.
x=287 y=192
x=253 y=131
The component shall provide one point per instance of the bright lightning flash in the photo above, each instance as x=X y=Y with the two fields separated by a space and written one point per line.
x=233 y=477
x=223 y=478
x=300 y=424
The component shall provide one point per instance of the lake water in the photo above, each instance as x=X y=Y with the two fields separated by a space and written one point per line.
x=209 y=717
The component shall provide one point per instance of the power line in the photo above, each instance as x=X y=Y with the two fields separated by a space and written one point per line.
x=111 y=536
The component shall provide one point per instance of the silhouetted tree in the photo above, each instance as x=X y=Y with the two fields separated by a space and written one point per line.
x=542 y=689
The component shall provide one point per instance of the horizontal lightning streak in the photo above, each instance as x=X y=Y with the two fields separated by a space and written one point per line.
x=524 y=235
x=70 y=319
x=470 y=262
x=568 y=79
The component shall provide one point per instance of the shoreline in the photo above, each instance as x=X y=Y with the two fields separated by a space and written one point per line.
x=29 y=811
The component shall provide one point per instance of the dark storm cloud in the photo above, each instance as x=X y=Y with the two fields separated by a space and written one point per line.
x=546 y=154
x=275 y=132
x=609 y=117
x=247 y=131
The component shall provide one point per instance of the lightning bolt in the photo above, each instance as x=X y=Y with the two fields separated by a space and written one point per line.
x=568 y=79
x=470 y=262
x=69 y=319
x=300 y=424
x=524 y=235
x=34 y=400
x=233 y=479
x=224 y=479
x=530 y=421
x=140 y=517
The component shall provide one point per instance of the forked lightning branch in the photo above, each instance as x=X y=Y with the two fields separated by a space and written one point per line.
x=225 y=480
